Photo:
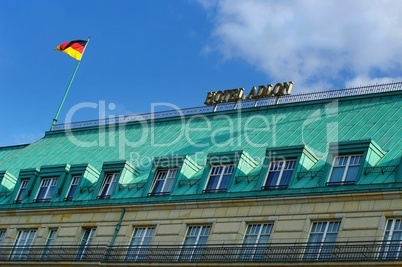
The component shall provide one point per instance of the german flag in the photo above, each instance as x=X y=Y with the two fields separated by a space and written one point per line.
x=74 y=49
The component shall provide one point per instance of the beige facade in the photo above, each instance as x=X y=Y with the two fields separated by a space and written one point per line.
x=363 y=218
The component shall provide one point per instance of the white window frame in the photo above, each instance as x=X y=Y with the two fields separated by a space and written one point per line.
x=49 y=185
x=109 y=184
x=392 y=249
x=166 y=177
x=226 y=169
x=22 y=191
x=86 y=240
x=22 y=244
x=140 y=239
x=350 y=162
x=255 y=250
x=194 y=250
x=322 y=248
x=280 y=166
x=75 y=181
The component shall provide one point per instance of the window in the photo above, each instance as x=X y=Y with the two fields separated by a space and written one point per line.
x=22 y=191
x=255 y=241
x=47 y=189
x=49 y=243
x=108 y=185
x=321 y=240
x=2 y=236
x=140 y=240
x=345 y=169
x=392 y=246
x=219 y=178
x=194 y=242
x=163 y=182
x=86 y=240
x=22 y=244
x=75 y=181
x=279 y=174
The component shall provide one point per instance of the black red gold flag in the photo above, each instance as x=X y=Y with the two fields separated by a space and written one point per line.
x=74 y=48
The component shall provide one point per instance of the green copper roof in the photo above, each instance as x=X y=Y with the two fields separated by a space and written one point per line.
x=368 y=123
x=10 y=151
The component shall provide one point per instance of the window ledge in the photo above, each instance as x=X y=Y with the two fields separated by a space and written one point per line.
x=159 y=194
x=103 y=197
x=41 y=200
x=214 y=191
x=341 y=183
x=264 y=187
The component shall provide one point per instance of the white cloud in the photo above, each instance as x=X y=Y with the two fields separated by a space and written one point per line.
x=312 y=42
x=364 y=80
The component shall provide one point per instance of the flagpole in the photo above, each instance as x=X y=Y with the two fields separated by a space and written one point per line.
x=68 y=88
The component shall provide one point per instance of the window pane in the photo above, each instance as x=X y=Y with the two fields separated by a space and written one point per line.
x=21 y=193
x=286 y=178
x=168 y=185
x=320 y=243
x=272 y=179
x=163 y=181
x=352 y=173
x=337 y=174
x=225 y=181
x=213 y=182
x=42 y=193
x=391 y=248
x=255 y=242
x=219 y=178
x=108 y=185
x=280 y=173
x=49 y=242
x=47 y=189
x=140 y=239
x=2 y=235
x=158 y=186
x=345 y=168
x=22 y=244
x=194 y=242
x=85 y=242
x=73 y=187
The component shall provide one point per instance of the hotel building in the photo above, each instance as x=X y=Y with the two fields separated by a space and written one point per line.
x=304 y=180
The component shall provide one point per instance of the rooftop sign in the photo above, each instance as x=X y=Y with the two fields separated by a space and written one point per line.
x=262 y=91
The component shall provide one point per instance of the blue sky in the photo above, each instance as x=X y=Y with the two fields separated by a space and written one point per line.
x=153 y=51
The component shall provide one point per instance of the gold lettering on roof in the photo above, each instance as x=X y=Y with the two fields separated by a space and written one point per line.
x=235 y=95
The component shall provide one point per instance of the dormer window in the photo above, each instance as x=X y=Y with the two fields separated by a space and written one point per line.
x=108 y=185
x=22 y=191
x=345 y=169
x=47 y=189
x=75 y=181
x=163 y=182
x=279 y=174
x=219 y=178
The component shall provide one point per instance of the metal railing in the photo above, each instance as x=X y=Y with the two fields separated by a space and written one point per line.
x=363 y=90
x=271 y=252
